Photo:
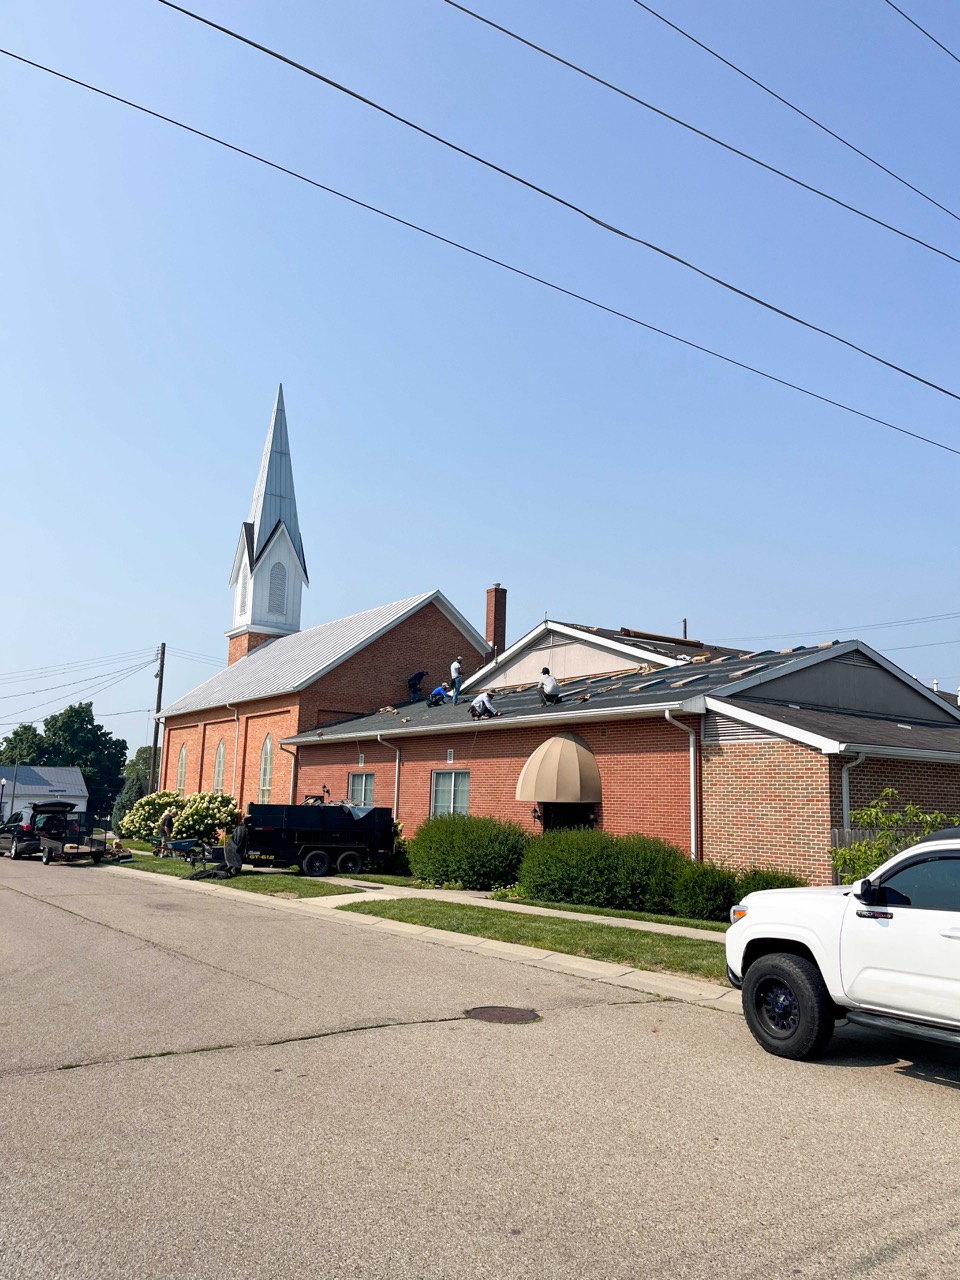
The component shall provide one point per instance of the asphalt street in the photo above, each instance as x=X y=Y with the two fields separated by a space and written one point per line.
x=211 y=1087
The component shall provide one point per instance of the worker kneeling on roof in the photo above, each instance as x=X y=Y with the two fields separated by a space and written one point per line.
x=481 y=707
x=548 y=688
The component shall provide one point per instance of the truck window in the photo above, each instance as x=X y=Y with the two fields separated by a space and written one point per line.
x=931 y=885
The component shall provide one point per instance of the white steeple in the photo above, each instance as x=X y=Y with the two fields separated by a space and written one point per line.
x=269 y=569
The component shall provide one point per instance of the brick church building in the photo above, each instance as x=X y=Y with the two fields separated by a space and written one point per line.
x=228 y=733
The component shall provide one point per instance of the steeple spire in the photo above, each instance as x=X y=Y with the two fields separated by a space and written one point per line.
x=274 y=498
x=269 y=568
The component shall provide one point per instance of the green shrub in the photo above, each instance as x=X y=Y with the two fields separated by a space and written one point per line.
x=705 y=892
x=479 y=853
x=594 y=869
x=204 y=814
x=766 y=878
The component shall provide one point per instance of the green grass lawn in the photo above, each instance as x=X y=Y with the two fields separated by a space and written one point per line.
x=572 y=937
x=715 y=926
x=271 y=883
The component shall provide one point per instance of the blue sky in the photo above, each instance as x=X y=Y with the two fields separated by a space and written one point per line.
x=452 y=425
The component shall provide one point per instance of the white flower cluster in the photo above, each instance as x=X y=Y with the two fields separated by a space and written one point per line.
x=142 y=822
x=205 y=813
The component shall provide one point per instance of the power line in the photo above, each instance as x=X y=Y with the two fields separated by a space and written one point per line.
x=594 y=219
x=485 y=257
x=773 y=94
x=923 y=31
x=855 y=630
x=88 y=694
x=28 y=693
x=932 y=644
x=709 y=137
x=56 y=669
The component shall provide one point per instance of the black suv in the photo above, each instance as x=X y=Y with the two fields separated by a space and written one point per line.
x=22 y=830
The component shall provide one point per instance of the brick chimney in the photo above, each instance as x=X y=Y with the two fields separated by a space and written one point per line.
x=497 y=618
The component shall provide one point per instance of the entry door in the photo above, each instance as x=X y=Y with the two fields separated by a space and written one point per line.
x=559 y=817
x=909 y=962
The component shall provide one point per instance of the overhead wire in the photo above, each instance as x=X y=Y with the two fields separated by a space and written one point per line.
x=88 y=694
x=793 y=107
x=923 y=31
x=863 y=626
x=701 y=133
x=67 y=684
x=561 y=201
x=485 y=257
x=64 y=668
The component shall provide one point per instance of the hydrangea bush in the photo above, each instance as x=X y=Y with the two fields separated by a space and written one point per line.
x=142 y=822
x=204 y=814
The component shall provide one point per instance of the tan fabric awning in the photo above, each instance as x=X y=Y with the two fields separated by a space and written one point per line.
x=562 y=770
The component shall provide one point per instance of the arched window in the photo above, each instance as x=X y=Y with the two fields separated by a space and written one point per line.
x=266 y=770
x=218 y=768
x=277 y=602
x=182 y=769
x=244 y=582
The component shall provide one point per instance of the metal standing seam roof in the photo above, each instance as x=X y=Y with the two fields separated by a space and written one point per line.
x=274 y=497
x=290 y=663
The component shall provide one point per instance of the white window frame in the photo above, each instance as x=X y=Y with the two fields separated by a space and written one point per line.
x=366 y=788
x=463 y=775
x=219 y=764
x=266 y=771
x=182 y=770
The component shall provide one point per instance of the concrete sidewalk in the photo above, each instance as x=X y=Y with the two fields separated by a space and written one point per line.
x=477 y=898
x=668 y=986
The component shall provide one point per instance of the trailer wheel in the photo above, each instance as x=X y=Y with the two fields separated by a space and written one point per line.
x=315 y=863
x=95 y=858
x=45 y=858
x=350 y=863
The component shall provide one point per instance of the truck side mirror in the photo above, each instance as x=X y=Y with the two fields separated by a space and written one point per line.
x=866 y=892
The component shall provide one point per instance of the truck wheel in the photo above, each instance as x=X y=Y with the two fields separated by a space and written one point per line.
x=45 y=858
x=315 y=863
x=787 y=1006
x=350 y=863
x=14 y=848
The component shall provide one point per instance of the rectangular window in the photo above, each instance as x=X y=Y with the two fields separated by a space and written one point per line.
x=450 y=791
x=360 y=788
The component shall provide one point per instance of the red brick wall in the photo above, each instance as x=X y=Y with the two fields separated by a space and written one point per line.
x=928 y=784
x=375 y=676
x=378 y=675
x=768 y=804
x=240 y=646
x=644 y=772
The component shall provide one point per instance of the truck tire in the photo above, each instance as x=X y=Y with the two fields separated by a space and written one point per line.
x=350 y=862
x=14 y=848
x=787 y=1006
x=315 y=863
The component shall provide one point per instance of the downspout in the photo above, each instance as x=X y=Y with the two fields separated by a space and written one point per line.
x=694 y=841
x=845 y=787
x=293 y=772
x=236 y=748
x=396 y=781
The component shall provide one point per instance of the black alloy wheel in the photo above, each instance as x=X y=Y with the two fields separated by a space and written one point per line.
x=14 y=848
x=350 y=863
x=315 y=863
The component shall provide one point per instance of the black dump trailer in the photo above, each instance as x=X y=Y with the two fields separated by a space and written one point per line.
x=320 y=838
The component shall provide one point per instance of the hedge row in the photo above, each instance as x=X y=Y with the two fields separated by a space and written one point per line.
x=589 y=868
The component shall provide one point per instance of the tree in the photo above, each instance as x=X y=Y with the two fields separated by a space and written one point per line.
x=25 y=744
x=889 y=831
x=134 y=789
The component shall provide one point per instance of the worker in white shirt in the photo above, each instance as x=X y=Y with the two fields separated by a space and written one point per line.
x=456 y=676
x=548 y=688
x=481 y=707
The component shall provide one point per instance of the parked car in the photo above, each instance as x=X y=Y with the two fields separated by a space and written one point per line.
x=883 y=953
x=22 y=832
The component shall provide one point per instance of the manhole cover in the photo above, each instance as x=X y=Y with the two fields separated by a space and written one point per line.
x=502 y=1013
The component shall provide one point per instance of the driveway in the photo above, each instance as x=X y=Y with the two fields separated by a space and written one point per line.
x=263 y=1094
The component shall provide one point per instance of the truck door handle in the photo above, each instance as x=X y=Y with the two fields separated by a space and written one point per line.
x=950 y=933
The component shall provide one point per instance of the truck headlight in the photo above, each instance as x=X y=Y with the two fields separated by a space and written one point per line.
x=737 y=912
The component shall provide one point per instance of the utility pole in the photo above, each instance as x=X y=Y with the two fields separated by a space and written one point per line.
x=156 y=722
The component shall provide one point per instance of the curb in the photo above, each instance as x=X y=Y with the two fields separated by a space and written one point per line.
x=666 y=986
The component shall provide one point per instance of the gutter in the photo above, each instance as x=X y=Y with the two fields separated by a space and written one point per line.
x=694 y=842
x=695 y=706
x=396 y=778
x=899 y=753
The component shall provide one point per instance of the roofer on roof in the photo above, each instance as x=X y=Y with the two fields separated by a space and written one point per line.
x=548 y=688
x=481 y=707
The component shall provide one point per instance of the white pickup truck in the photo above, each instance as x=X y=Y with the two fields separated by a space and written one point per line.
x=883 y=953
